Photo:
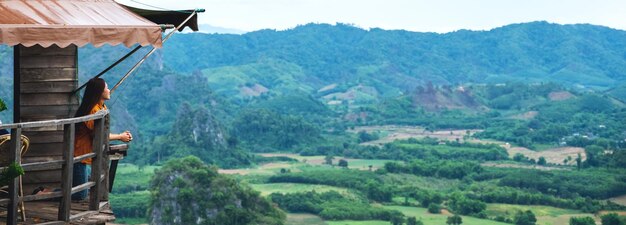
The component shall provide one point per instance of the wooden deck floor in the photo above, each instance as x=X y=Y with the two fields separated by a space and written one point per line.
x=45 y=211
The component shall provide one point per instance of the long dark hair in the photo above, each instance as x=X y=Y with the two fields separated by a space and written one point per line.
x=91 y=97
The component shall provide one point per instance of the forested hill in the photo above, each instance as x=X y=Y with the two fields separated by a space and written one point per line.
x=219 y=96
x=587 y=55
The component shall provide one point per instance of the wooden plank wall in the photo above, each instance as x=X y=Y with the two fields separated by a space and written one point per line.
x=47 y=77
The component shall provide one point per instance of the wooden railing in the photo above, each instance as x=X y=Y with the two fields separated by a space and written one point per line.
x=66 y=164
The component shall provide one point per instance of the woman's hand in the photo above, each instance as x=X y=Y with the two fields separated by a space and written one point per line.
x=126 y=136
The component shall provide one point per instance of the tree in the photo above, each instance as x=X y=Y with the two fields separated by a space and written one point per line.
x=519 y=157
x=525 y=218
x=434 y=208
x=343 y=163
x=365 y=137
x=611 y=219
x=454 y=220
x=465 y=206
x=397 y=219
x=413 y=221
x=329 y=159
x=190 y=182
x=541 y=161
x=581 y=221
x=579 y=161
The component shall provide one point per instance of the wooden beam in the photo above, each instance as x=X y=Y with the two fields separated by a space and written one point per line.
x=85 y=156
x=43 y=137
x=52 y=223
x=57 y=111
x=46 y=74
x=43 y=61
x=36 y=99
x=49 y=165
x=112 y=172
x=47 y=87
x=96 y=164
x=104 y=192
x=98 y=115
x=83 y=187
x=44 y=176
x=51 y=194
x=66 y=180
x=13 y=185
x=84 y=214
x=120 y=147
x=37 y=197
x=48 y=149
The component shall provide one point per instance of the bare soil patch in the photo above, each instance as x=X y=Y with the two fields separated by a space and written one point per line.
x=290 y=155
x=526 y=116
x=255 y=90
x=554 y=155
x=327 y=87
x=446 y=212
x=560 y=95
x=620 y=200
x=604 y=212
x=512 y=165
x=234 y=171
x=406 y=132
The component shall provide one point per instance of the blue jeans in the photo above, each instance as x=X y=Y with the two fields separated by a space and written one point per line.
x=80 y=176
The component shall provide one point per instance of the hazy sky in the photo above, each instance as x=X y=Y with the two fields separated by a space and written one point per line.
x=414 y=15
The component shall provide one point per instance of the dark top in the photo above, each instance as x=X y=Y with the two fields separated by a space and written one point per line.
x=3 y=131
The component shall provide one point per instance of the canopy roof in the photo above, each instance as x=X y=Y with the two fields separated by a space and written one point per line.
x=175 y=17
x=65 y=22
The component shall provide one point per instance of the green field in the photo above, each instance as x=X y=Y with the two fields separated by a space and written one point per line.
x=363 y=164
x=285 y=188
x=132 y=181
x=438 y=219
x=400 y=200
x=546 y=215
x=130 y=177
x=508 y=210
x=303 y=219
x=430 y=183
x=353 y=222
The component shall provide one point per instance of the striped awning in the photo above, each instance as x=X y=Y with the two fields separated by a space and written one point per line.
x=78 y=22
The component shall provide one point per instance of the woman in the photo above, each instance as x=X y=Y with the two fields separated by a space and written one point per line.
x=96 y=92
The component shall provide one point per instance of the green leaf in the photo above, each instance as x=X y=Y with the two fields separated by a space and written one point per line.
x=3 y=106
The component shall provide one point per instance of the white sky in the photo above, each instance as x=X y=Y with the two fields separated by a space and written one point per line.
x=414 y=15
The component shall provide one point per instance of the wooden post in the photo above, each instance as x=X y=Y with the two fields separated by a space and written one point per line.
x=104 y=194
x=112 y=171
x=16 y=143
x=96 y=165
x=68 y=171
x=16 y=84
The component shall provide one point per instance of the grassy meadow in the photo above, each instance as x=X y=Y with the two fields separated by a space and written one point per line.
x=437 y=219
x=132 y=183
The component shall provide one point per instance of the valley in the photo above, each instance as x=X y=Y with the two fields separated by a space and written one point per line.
x=335 y=124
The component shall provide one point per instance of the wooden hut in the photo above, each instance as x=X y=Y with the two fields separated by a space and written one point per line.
x=46 y=36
